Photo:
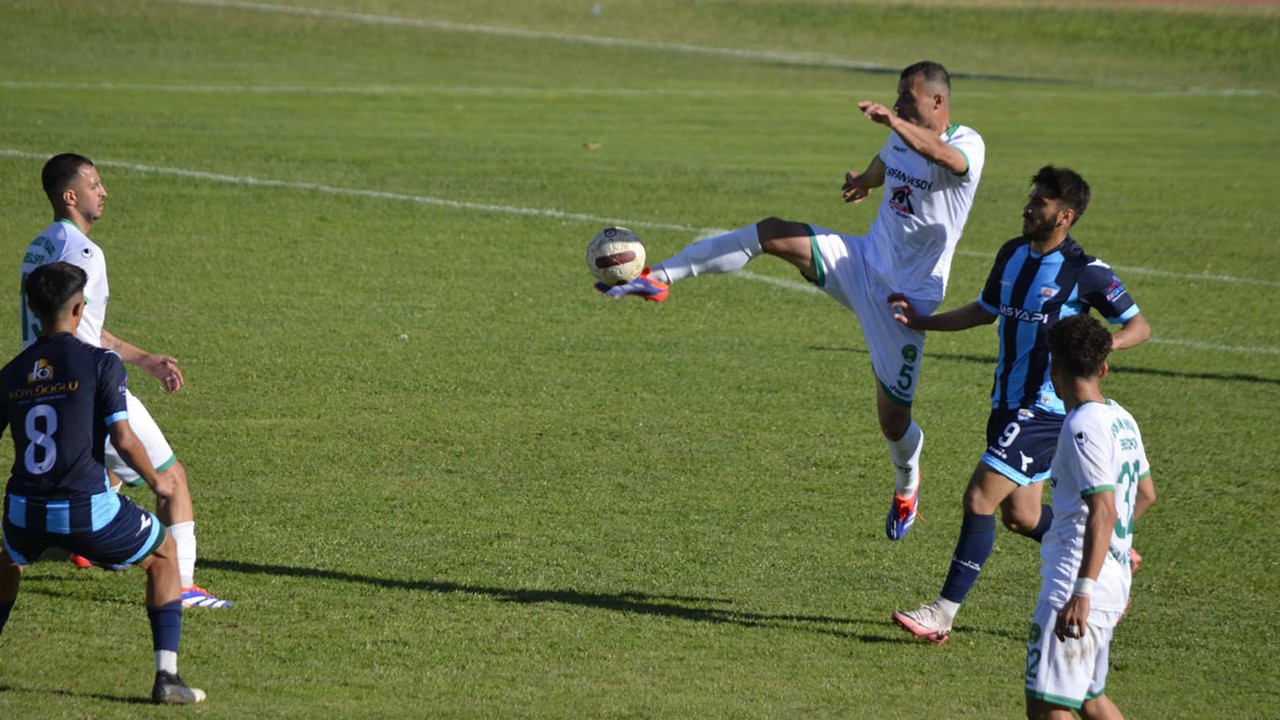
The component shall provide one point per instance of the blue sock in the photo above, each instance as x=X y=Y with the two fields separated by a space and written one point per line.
x=166 y=625
x=1046 y=519
x=977 y=537
x=4 y=612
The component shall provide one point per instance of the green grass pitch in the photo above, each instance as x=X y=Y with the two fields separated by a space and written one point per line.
x=440 y=477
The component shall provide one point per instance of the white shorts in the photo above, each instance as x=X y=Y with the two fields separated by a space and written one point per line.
x=149 y=435
x=896 y=350
x=1071 y=672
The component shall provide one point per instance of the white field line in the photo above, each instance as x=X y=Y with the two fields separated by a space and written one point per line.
x=788 y=58
x=806 y=287
x=356 y=192
x=785 y=58
x=1135 y=270
x=549 y=213
x=408 y=90
x=1214 y=346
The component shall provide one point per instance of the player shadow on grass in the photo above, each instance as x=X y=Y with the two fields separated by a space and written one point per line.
x=1123 y=369
x=123 y=699
x=637 y=603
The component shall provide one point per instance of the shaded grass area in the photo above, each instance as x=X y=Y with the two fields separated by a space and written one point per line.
x=539 y=504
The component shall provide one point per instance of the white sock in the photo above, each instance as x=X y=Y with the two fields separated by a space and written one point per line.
x=905 y=454
x=725 y=253
x=167 y=661
x=947 y=607
x=184 y=536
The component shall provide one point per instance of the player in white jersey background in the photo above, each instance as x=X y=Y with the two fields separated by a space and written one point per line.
x=1101 y=483
x=930 y=170
x=75 y=190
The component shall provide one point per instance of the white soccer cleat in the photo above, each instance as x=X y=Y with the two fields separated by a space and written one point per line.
x=928 y=622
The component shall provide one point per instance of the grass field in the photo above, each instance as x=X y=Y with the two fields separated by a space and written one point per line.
x=440 y=477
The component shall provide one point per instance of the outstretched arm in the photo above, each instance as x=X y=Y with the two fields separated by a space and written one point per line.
x=962 y=318
x=161 y=367
x=923 y=140
x=857 y=187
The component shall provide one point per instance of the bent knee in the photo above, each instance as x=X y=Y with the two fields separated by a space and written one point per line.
x=773 y=228
x=979 y=502
x=1020 y=525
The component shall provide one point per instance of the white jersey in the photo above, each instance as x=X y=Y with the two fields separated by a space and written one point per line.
x=63 y=241
x=1099 y=449
x=923 y=212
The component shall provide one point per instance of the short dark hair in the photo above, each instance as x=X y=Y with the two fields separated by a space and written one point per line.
x=1064 y=185
x=60 y=171
x=931 y=71
x=1081 y=344
x=51 y=287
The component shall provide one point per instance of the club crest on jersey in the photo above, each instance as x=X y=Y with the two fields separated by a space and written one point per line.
x=900 y=200
x=40 y=372
x=1047 y=292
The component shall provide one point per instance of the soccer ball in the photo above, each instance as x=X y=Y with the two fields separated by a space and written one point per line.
x=615 y=256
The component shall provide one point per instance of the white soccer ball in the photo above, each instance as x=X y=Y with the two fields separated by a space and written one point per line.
x=615 y=256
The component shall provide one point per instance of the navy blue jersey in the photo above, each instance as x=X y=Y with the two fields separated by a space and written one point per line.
x=1030 y=293
x=60 y=395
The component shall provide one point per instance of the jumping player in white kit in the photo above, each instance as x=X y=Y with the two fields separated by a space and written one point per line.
x=1101 y=482
x=78 y=196
x=930 y=170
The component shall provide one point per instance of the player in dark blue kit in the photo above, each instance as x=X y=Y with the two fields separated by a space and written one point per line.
x=1037 y=279
x=62 y=400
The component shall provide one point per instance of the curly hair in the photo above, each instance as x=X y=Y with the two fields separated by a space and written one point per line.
x=1081 y=344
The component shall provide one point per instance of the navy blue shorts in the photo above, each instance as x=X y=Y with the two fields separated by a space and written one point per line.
x=1020 y=443
x=108 y=529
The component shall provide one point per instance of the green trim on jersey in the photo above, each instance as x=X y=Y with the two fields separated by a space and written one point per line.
x=967 y=163
x=1056 y=699
x=1095 y=491
x=821 y=279
x=1095 y=696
